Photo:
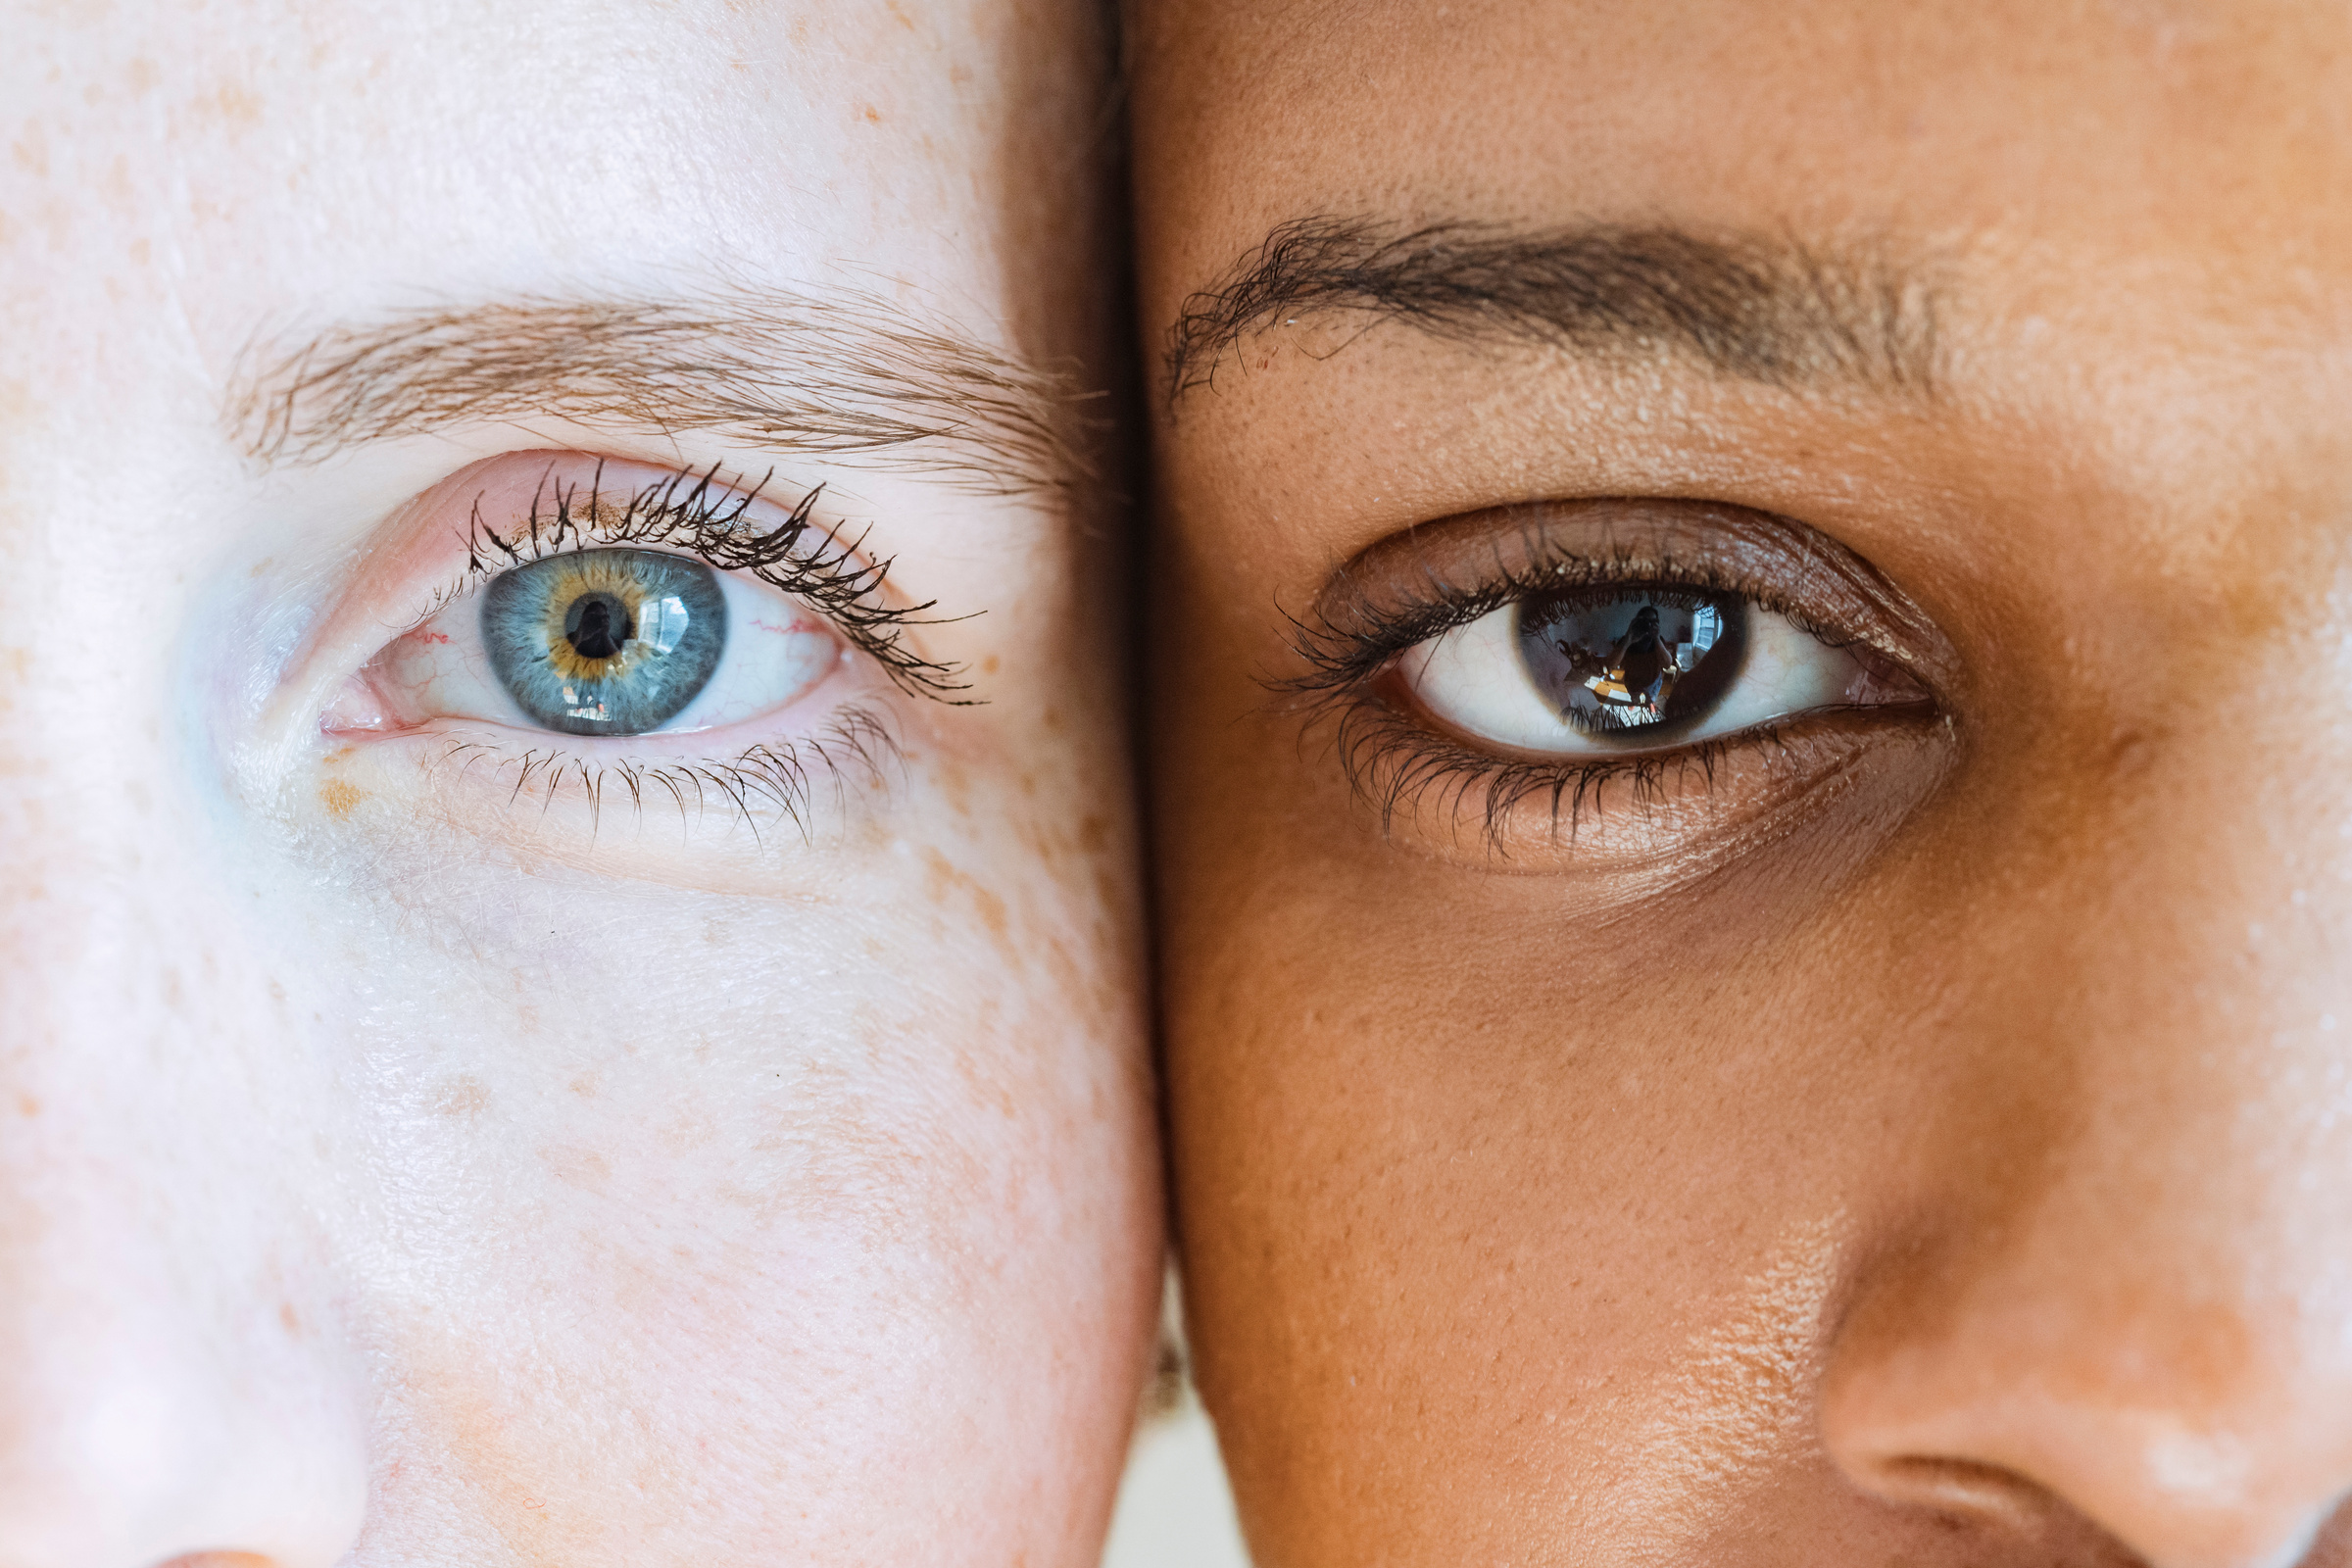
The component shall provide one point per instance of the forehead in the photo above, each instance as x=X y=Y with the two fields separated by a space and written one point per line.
x=2217 y=137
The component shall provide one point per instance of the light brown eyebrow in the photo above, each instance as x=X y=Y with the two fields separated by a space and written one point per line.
x=1759 y=307
x=848 y=378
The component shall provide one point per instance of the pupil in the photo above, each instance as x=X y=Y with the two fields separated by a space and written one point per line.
x=597 y=626
x=1633 y=661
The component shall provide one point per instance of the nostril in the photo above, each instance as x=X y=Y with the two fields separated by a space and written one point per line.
x=1967 y=1490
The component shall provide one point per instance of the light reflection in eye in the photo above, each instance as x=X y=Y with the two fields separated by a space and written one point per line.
x=1616 y=670
x=1634 y=660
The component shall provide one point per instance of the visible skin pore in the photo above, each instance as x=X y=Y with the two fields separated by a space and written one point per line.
x=402 y=1159
x=1957 y=1171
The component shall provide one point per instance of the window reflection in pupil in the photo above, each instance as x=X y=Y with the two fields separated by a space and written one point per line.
x=1635 y=659
x=597 y=626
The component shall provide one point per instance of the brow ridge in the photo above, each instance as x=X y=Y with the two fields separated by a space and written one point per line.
x=1764 y=309
x=848 y=378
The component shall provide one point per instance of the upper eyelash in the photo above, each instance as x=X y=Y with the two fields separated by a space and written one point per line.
x=702 y=516
x=1344 y=657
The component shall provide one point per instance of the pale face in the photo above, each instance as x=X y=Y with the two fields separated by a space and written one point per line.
x=537 y=1028
x=1769 y=983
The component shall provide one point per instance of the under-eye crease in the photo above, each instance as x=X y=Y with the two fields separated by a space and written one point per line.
x=1633 y=623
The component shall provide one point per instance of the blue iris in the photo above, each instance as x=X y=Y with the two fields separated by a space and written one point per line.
x=606 y=642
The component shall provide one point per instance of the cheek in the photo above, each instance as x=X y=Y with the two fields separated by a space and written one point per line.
x=735 y=1167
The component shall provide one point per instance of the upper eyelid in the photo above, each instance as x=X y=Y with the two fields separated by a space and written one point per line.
x=1774 y=562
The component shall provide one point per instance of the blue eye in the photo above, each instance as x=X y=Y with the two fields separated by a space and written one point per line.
x=605 y=642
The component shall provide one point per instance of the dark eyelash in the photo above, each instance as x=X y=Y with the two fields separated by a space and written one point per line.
x=1400 y=767
x=1346 y=647
x=703 y=517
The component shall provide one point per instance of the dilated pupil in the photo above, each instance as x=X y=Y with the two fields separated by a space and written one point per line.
x=597 y=626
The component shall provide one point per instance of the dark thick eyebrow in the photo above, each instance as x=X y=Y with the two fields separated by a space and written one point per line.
x=847 y=377
x=1761 y=308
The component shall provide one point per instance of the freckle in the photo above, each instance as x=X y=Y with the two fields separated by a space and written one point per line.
x=265 y=562
x=584 y=1086
x=286 y=1315
x=339 y=798
x=1093 y=835
x=869 y=114
x=27 y=1105
x=992 y=910
x=576 y=1167
x=989 y=665
x=278 y=992
x=461 y=1096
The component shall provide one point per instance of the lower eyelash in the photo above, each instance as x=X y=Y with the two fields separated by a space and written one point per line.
x=775 y=778
x=1400 y=767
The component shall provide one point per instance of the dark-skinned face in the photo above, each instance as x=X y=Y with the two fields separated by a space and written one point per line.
x=1753 y=616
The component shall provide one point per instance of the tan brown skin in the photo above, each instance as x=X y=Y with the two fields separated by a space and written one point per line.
x=1955 y=1170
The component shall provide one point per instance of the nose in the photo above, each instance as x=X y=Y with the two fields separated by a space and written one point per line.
x=2198 y=1431
x=2119 y=1288
x=173 y=1383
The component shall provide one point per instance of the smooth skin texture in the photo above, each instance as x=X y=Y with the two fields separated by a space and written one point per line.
x=1927 y=1143
x=403 y=1160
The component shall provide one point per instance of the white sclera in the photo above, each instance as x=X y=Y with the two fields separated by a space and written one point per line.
x=776 y=651
x=1474 y=679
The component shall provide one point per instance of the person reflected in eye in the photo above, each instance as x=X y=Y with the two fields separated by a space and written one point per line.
x=572 y=963
x=1962 y=1180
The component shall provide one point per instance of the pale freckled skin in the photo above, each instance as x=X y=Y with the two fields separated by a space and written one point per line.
x=420 y=1159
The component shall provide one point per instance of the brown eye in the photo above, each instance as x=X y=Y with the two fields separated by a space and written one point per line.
x=1638 y=664
x=1605 y=670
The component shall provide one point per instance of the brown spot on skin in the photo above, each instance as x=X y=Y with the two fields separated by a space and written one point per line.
x=576 y=1167
x=869 y=114
x=288 y=1317
x=341 y=753
x=584 y=1086
x=989 y=665
x=1093 y=835
x=339 y=798
x=461 y=1096
x=239 y=104
x=27 y=1105
x=261 y=566
x=942 y=878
